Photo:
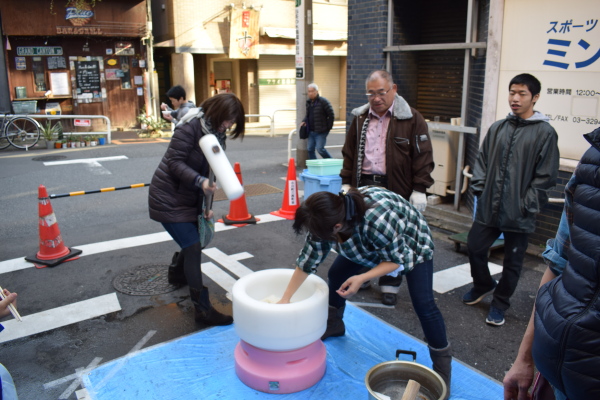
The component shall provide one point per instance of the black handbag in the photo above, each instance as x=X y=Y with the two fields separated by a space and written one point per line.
x=303 y=132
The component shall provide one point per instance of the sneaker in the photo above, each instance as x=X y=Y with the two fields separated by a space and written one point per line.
x=495 y=317
x=474 y=296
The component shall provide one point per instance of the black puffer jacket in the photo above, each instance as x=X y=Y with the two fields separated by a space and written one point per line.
x=517 y=164
x=566 y=348
x=173 y=195
x=323 y=115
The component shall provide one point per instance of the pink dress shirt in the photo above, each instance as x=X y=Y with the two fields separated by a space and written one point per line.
x=374 y=159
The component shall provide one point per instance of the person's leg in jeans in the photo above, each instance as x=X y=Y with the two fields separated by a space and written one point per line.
x=479 y=241
x=321 y=139
x=311 y=145
x=340 y=270
x=515 y=245
x=420 y=288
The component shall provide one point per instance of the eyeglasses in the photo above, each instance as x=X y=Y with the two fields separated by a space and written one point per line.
x=381 y=93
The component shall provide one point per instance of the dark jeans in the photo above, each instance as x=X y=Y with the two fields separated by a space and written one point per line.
x=479 y=241
x=317 y=140
x=185 y=234
x=420 y=288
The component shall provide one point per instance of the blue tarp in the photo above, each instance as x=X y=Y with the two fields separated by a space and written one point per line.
x=202 y=366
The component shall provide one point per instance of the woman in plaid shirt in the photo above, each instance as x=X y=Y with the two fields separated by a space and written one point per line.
x=375 y=228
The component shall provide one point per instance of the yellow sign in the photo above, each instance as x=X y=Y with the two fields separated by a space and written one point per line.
x=243 y=36
x=111 y=61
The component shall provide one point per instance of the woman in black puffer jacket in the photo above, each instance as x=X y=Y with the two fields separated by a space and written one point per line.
x=177 y=190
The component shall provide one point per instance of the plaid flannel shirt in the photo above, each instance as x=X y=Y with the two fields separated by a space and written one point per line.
x=392 y=230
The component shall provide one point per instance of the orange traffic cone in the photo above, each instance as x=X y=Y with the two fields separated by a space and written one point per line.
x=52 y=248
x=238 y=210
x=290 y=201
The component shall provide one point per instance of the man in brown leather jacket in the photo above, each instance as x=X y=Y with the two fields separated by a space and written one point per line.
x=388 y=145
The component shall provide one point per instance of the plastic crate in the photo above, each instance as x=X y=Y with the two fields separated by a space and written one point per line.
x=25 y=106
x=325 y=166
x=320 y=183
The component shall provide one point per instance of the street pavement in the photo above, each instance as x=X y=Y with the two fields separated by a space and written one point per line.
x=75 y=319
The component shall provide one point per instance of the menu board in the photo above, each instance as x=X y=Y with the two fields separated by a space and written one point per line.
x=88 y=79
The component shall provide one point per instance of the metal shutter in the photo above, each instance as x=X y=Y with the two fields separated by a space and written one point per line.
x=327 y=77
x=277 y=95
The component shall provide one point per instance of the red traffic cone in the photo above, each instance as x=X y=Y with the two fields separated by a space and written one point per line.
x=238 y=210
x=52 y=248
x=290 y=201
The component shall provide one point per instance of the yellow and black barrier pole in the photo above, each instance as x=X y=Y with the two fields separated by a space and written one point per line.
x=111 y=189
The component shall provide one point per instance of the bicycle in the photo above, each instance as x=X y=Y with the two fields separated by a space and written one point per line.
x=20 y=132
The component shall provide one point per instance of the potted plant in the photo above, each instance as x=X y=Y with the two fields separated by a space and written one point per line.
x=50 y=132
x=81 y=141
x=58 y=144
x=152 y=126
x=87 y=141
x=64 y=143
x=93 y=141
x=101 y=140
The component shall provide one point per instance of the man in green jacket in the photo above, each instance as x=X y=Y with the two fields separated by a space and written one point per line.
x=517 y=164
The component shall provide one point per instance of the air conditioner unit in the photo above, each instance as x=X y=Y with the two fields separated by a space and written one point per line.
x=445 y=153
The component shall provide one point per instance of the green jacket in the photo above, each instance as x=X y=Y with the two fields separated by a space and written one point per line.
x=517 y=164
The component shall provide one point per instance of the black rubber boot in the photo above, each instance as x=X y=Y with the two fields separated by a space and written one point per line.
x=390 y=287
x=176 y=276
x=335 y=323
x=442 y=364
x=205 y=313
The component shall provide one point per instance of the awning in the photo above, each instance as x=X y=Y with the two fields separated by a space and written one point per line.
x=290 y=33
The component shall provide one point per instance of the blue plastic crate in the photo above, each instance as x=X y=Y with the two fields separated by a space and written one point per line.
x=320 y=183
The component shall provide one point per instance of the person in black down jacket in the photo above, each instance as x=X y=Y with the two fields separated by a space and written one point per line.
x=177 y=190
x=517 y=164
x=319 y=121
x=562 y=339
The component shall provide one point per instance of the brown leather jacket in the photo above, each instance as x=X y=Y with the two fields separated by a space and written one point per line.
x=408 y=154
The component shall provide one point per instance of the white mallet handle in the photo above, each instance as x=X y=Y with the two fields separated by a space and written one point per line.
x=221 y=167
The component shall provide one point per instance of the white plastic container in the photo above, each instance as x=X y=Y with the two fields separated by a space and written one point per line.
x=279 y=327
x=220 y=165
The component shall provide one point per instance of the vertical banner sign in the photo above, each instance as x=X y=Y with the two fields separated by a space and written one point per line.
x=299 y=39
x=243 y=36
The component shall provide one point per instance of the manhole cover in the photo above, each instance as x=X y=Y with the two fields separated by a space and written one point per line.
x=49 y=158
x=255 y=189
x=144 y=280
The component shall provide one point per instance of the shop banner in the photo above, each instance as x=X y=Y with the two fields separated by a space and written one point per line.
x=560 y=47
x=243 y=37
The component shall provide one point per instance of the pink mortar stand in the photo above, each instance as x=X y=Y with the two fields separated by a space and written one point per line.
x=280 y=350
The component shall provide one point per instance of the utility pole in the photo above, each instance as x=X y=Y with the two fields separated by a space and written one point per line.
x=305 y=73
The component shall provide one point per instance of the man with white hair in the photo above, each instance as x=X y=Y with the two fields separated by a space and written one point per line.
x=319 y=121
x=388 y=145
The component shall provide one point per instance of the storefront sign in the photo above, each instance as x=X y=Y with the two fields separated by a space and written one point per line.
x=111 y=61
x=300 y=8
x=79 y=14
x=277 y=81
x=79 y=30
x=562 y=50
x=40 y=51
x=83 y=122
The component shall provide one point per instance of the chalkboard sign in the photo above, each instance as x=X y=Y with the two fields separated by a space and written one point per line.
x=88 y=79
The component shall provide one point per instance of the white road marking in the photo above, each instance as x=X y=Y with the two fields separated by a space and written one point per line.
x=455 y=277
x=92 y=164
x=219 y=276
x=228 y=262
x=119 y=244
x=60 y=316
x=68 y=378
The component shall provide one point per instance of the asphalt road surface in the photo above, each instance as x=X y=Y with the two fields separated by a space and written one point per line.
x=75 y=318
